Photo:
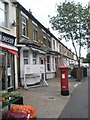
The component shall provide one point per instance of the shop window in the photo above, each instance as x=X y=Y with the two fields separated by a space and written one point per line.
x=24 y=26
x=34 y=58
x=48 y=63
x=44 y=39
x=25 y=57
x=3 y=14
x=10 y=70
x=34 y=32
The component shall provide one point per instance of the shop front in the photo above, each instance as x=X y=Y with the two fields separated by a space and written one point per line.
x=7 y=62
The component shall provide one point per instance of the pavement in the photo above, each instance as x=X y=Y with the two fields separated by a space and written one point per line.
x=48 y=100
x=77 y=106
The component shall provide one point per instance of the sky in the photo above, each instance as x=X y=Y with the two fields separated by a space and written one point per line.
x=42 y=8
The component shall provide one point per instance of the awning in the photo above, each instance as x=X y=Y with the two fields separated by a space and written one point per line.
x=11 y=49
x=13 y=52
x=37 y=50
x=4 y=45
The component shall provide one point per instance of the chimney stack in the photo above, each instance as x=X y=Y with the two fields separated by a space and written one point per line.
x=30 y=11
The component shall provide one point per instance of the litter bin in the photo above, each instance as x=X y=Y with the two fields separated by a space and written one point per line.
x=64 y=80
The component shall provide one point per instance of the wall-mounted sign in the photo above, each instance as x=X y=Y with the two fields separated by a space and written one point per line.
x=7 y=39
x=63 y=76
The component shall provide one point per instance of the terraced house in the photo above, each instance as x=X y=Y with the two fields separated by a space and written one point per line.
x=40 y=52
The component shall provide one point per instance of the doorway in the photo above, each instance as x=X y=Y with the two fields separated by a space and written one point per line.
x=3 y=77
x=6 y=71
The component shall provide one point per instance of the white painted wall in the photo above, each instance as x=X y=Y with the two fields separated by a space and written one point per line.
x=11 y=30
x=11 y=13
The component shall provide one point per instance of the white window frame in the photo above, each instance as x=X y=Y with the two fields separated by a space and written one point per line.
x=56 y=63
x=24 y=25
x=53 y=44
x=34 y=58
x=4 y=10
x=25 y=58
x=35 y=32
x=49 y=40
x=44 y=38
x=53 y=63
x=49 y=63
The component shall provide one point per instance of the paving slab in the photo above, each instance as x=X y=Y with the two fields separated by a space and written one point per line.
x=48 y=100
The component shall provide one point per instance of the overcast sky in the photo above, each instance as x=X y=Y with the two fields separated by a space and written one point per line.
x=42 y=8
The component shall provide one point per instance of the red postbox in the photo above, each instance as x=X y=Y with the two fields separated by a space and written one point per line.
x=64 y=80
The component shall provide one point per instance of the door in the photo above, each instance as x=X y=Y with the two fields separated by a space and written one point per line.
x=6 y=71
x=10 y=71
x=3 y=71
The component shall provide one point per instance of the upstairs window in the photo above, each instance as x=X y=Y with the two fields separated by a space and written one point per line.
x=24 y=26
x=34 y=32
x=3 y=14
x=44 y=38
x=49 y=42
x=60 y=48
x=53 y=44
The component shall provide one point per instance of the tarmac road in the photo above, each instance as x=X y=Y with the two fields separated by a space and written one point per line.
x=77 y=106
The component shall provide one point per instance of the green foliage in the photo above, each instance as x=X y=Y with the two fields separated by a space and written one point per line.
x=72 y=24
x=87 y=60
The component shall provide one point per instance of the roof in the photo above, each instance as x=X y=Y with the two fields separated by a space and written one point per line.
x=37 y=22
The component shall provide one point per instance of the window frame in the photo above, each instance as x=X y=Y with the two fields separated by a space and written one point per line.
x=24 y=25
x=34 y=32
x=53 y=63
x=25 y=58
x=49 y=42
x=53 y=44
x=4 y=10
x=34 y=58
x=48 y=64
x=44 y=39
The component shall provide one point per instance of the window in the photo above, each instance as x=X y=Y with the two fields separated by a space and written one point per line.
x=44 y=39
x=24 y=26
x=56 y=63
x=34 y=32
x=34 y=58
x=25 y=57
x=49 y=42
x=3 y=14
x=60 y=48
x=53 y=62
x=48 y=63
x=54 y=44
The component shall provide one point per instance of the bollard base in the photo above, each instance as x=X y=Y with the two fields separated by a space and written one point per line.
x=65 y=93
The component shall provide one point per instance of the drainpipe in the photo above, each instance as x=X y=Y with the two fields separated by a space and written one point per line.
x=18 y=63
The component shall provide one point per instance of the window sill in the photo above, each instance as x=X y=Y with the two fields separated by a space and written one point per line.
x=25 y=36
x=6 y=28
x=35 y=41
x=44 y=45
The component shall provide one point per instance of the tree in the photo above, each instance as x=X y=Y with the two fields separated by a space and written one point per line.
x=72 y=22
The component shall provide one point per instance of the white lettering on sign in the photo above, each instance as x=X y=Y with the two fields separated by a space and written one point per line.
x=63 y=76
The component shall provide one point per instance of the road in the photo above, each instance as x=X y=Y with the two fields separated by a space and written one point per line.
x=77 y=106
